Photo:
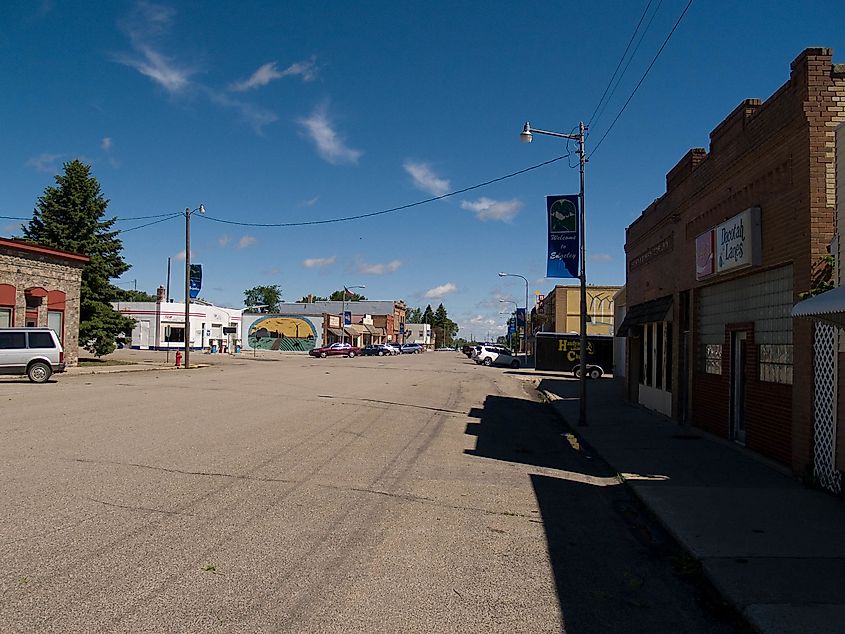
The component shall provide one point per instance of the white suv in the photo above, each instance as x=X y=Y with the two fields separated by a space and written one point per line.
x=36 y=352
x=496 y=355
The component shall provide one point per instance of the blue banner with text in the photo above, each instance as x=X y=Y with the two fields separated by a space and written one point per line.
x=562 y=212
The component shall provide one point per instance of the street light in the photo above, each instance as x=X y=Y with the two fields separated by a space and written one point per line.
x=343 y=311
x=525 y=325
x=526 y=136
x=515 y=307
x=188 y=212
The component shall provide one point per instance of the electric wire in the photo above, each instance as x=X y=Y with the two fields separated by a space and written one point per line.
x=154 y=222
x=642 y=79
x=116 y=219
x=621 y=60
x=384 y=211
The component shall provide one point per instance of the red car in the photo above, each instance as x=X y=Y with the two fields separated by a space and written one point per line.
x=336 y=350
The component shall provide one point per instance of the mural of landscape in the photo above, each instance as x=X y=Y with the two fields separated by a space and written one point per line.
x=277 y=332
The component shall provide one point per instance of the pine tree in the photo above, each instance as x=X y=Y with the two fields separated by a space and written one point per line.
x=69 y=216
x=428 y=315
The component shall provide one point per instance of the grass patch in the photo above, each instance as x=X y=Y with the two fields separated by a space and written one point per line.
x=99 y=363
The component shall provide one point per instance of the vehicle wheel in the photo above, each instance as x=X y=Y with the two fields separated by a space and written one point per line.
x=39 y=372
x=595 y=373
x=381 y=353
x=576 y=372
x=515 y=364
x=323 y=355
x=416 y=351
x=488 y=362
x=351 y=354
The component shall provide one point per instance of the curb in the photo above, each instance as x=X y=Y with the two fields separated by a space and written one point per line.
x=738 y=610
x=124 y=369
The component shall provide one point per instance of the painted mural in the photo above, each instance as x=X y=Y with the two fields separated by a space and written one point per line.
x=279 y=332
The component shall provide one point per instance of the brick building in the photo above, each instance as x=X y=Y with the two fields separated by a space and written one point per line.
x=715 y=265
x=560 y=310
x=39 y=286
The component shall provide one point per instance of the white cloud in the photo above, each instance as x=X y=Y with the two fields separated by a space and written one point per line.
x=44 y=162
x=181 y=255
x=106 y=144
x=146 y=23
x=425 y=179
x=311 y=263
x=440 y=291
x=489 y=209
x=378 y=269
x=255 y=116
x=244 y=242
x=224 y=240
x=310 y=202
x=269 y=72
x=330 y=145
x=601 y=257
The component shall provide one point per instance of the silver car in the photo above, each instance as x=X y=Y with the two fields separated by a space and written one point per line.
x=35 y=352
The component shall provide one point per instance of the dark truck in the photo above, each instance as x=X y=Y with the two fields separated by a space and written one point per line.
x=560 y=351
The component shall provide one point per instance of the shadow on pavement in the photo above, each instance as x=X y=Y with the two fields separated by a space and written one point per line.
x=612 y=565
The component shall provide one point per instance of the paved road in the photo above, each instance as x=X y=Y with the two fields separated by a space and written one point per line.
x=407 y=494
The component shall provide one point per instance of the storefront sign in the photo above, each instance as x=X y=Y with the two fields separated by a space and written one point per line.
x=656 y=250
x=195 y=277
x=704 y=262
x=562 y=212
x=737 y=241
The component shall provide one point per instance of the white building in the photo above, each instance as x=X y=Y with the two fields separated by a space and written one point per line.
x=419 y=333
x=160 y=326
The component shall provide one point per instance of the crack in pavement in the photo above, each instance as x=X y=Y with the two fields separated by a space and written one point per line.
x=139 y=508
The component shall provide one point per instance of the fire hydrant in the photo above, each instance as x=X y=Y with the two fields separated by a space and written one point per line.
x=178 y=358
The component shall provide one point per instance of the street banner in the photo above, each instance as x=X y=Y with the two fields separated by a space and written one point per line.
x=520 y=317
x=511 y=329
x=347 y=318
x=562 y=212
x=196 y=280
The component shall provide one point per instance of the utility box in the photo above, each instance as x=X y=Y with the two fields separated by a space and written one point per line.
x=561 y=352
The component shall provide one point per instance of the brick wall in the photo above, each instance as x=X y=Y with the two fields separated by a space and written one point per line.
x=35 y=270
x=777 y=155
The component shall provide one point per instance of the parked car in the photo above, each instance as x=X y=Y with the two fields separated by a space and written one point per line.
x=496 y=355
x=336 y=350
x=376 y=350
x=411 y=348
x=35 y=352
x=393 y=347
x=467 y=350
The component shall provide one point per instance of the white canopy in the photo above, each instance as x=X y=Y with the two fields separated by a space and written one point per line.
x=828 y=307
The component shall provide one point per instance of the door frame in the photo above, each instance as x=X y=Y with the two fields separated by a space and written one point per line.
x=738 y=385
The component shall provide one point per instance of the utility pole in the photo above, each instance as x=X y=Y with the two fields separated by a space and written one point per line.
x=187 y=287
x=582 y=387
x=167 y=293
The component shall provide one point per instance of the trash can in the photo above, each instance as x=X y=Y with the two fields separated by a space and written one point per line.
x=213 y=346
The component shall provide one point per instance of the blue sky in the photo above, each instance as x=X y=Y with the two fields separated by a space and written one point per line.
x=272 y=114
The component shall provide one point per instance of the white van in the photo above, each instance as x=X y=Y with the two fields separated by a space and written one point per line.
x=36 y=352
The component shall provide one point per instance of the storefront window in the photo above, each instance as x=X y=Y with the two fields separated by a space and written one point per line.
x=54 y=321
x=5 y=317
x=174 y=334
x=775 y=363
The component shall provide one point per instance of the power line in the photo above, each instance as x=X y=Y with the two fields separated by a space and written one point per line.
x=154 y=222
x=642 y=79
x=116 y=219
x=384 y=211
x=621 y=59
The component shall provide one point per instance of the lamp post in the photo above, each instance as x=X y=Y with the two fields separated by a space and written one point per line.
x=526 y=136
x=515 y=307
x=525 y=325
x=188 y=212
x=343 y=311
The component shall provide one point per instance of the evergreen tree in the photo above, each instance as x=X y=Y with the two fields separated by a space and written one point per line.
x=428 y=315
x=445 y=329
x=413 y=316
x=70 y=216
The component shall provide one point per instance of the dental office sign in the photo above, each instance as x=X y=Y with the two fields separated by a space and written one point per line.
x=731 y=245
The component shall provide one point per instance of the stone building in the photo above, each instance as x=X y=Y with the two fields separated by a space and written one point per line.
x=39 y=286
x=715 y=265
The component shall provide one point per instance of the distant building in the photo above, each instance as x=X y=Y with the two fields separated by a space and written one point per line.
x=419 y=333
x=560 y=310
x=40 y=286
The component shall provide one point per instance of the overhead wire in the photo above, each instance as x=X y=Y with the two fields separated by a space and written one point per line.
x=154 y=222
x=385 y=211
x=642 y=79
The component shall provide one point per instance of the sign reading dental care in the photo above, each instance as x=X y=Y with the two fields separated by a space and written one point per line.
x=737 y=241
x=562 y=212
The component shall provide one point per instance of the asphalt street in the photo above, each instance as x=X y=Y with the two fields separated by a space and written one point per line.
x=419 y=493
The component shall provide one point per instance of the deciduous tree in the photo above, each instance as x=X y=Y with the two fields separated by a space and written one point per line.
x=267 y=298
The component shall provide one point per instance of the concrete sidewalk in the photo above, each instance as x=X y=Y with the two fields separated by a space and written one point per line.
x=773 y=547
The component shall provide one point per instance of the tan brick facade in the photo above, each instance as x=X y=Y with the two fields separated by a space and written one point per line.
x=36 y=281
x=778 y=156
x=560 y=310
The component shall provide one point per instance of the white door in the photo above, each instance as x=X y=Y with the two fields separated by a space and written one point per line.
x=143 y=335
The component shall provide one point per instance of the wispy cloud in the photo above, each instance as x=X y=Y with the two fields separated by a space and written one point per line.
x=44 y=162
x=245 y=241
x=255 y=116
x=440 y=291
x=425 y=178
x=601 y=257
x=378 y=269
x=106 y=143
x=273 y=270
x=11 y=227
x=144 y=26
x=310 y=202
x=489 y=209
x=311 y=263
x=181 y=255
x=224 y=240
x=270 y=71
x=330 y=144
